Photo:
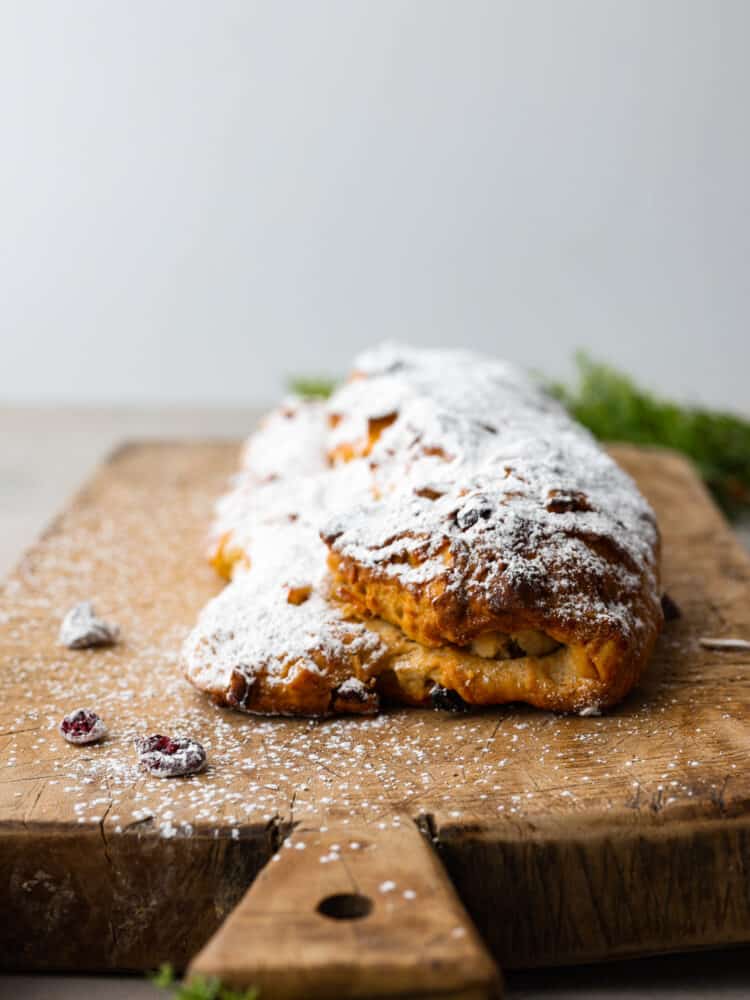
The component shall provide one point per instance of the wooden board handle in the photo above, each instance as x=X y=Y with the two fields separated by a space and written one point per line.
x=351 y=911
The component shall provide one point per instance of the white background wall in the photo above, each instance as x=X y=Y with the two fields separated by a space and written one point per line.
x=199 y=197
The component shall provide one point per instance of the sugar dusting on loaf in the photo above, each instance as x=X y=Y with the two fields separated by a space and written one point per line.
x=472 y=454
x=476 y=436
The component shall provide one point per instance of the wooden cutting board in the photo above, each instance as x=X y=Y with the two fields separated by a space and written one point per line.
x=567 y=839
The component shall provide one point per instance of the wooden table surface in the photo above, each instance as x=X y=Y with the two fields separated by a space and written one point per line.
x=44 y=455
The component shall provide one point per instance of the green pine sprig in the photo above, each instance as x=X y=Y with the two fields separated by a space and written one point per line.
x=318 y=387
x=198 y=987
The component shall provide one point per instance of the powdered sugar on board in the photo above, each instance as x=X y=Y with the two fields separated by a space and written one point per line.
x=131 y=541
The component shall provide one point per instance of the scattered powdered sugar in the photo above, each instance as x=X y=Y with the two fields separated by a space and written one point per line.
x=275 y=773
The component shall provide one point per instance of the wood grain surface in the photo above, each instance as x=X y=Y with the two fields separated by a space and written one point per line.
x=567 y=838
x=329 y=918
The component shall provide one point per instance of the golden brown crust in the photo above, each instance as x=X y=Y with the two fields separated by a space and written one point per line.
x=562 y=681
x=434 y=620
x=569 y=679
x=329 y=667
x=457 y=504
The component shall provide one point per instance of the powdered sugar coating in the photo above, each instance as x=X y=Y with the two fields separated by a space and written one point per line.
x=264 y=519
x=171 y=756
x=477 y=460
x=81 y=629
x=82 y=727
x=353 y=688
x=288 y=442
x=251 y=626
x=481 y=463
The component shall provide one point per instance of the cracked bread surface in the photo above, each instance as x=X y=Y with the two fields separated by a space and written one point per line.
x=414 y=531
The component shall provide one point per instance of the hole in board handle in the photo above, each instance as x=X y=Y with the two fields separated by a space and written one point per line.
x=345 y=906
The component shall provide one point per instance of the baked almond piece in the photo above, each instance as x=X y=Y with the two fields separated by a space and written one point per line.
x=478 y=543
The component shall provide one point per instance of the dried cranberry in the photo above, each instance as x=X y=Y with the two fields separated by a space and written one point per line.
x=83 y=726
x=171 y=756
x=445 y=700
